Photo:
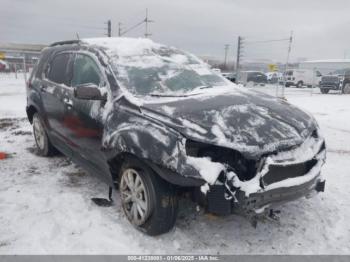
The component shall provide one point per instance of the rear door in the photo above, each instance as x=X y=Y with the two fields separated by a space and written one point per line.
x=54 y=90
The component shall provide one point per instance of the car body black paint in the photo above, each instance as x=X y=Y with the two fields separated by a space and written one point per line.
x=94 y=141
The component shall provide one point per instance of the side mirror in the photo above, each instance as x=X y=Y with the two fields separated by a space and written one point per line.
x=88 y=92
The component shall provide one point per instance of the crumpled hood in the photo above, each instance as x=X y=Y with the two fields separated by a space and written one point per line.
x=251 y=122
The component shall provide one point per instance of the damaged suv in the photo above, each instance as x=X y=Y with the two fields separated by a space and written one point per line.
x=156 y=122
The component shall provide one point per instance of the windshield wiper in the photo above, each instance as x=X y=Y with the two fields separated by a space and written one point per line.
x=204 y=87
x=181 y=95
x=165 y=95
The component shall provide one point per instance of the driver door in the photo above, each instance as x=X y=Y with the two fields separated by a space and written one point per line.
x=83 y=120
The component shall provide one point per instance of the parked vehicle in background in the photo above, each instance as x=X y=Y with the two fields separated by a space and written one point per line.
x=302 y=77
x=338 y=80
x=156 y=122
x=325 y=66
x=230 y=76
x=4 y=66
x=255 y=77
x=216 y=70
x=274 y=77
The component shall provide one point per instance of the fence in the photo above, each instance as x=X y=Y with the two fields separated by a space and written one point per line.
x=17 y=70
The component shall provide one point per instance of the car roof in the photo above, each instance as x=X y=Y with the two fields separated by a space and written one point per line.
x=114 y=46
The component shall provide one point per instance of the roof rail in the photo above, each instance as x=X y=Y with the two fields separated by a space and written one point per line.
x=68 y=42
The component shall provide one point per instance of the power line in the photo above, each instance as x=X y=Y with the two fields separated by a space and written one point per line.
x=145 y=21
x=268 y=41
x=131 y=28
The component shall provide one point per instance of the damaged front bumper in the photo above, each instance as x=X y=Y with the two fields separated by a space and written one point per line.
x=258 y=203
x=276 y=183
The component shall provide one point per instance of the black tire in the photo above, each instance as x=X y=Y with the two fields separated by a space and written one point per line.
x=346 y=88
x=44 y=146
x=163 y=202
x=300 y=84
x=324 y=90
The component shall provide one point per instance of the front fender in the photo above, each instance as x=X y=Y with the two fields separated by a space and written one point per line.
x=129 y=131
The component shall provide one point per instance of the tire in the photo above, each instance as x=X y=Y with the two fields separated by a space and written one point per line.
x=324 y=90
x=346 y=89
x=300 y=84
x=43 y=144
x=157 y=213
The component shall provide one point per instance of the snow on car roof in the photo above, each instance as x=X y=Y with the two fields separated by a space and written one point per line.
x=142 y=52
x=124 y=46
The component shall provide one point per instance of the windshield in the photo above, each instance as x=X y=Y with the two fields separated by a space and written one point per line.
x=164 y=71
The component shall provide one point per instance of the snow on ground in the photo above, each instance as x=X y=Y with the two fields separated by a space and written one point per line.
x=45 y=204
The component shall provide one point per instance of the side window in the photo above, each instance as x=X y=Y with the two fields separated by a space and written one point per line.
x=85 y=71
x=58 y=69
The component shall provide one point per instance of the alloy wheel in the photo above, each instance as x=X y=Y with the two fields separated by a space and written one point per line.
x=134 y=197
x=39 y=133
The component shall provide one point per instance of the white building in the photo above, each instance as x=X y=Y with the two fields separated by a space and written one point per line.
x=326 y=66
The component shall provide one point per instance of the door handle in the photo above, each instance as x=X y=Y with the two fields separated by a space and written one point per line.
x=68 y=103
x=42 y=88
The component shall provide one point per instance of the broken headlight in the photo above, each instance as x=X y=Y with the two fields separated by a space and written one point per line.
x=235 y=161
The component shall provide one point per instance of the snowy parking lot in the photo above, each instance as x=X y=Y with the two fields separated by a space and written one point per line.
x=46 y=207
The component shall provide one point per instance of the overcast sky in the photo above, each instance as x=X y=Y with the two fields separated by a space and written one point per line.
x=321 y=27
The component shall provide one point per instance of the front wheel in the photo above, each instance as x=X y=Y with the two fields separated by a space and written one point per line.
x=346 y=89
x=149 y=202
x=43 y=144
x=300 y=84
x=324 y=90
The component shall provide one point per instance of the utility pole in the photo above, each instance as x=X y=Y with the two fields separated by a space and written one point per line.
x=147 y=34
x=226 y=52
x=119 y=29
x=287 y=62
x=109 y=28
x=239 y=54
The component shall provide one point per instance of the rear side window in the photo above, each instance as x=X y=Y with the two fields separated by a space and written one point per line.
x=85 y=71
x=58 y=69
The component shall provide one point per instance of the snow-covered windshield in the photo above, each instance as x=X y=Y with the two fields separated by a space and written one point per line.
x=165 y=71
x=147 y=68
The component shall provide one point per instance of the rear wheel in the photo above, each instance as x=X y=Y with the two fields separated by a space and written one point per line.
x=346 y=89
x=44 y=146
x=148 y=201
x=324 y=90
x=300 y=84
